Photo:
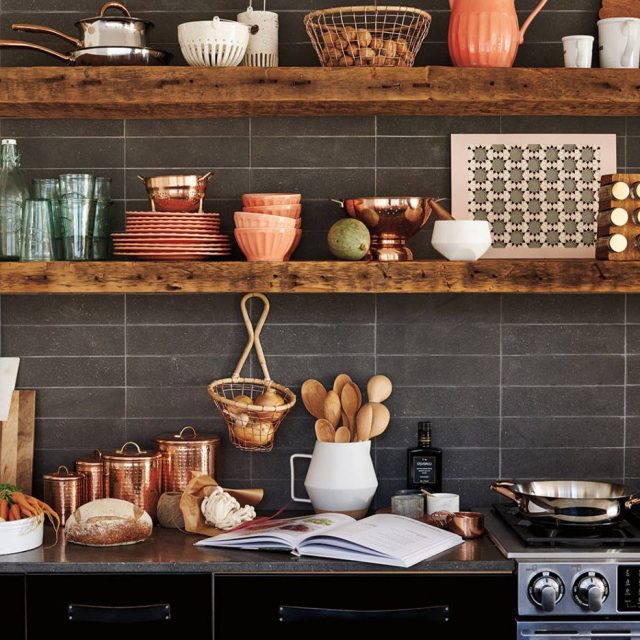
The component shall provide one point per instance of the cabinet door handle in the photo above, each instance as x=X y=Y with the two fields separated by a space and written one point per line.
x=119 y=615
x=312 y=614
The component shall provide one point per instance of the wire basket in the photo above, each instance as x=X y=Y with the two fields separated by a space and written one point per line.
x=252 y=427
x=368 y=36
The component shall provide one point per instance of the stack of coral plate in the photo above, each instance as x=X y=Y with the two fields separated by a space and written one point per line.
x=171 y=236
x=269 y=226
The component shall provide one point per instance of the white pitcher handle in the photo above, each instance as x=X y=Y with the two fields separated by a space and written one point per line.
x=632 y=43
x=293 y=476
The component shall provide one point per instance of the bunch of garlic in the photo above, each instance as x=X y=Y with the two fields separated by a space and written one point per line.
x=223 y=511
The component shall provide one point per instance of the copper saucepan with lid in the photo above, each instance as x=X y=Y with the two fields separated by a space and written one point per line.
x=570 y=502
x=101 y=31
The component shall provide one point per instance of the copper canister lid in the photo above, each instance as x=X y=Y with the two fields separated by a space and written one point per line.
x=94 y=458
x=131 y=456
x=62 y=476
x=183 y=438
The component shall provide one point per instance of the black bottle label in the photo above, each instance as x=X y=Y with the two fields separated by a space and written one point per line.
x=424 y=470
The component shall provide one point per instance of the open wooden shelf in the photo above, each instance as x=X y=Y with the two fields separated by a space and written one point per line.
x=186 y=92
x=432 y=276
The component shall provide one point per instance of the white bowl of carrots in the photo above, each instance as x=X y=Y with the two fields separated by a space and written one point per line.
x=22 y=520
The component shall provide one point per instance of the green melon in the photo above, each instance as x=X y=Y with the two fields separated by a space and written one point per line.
x=349 y=239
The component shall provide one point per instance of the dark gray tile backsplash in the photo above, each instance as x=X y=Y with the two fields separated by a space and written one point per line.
x=516 y=386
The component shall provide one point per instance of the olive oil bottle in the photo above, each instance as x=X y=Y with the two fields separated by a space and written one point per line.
x=424 y=463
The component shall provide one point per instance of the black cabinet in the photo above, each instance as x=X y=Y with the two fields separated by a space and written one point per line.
x=119 y=607
x=12 y=594
x=440 y=606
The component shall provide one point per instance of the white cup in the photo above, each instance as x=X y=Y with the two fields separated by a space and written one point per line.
x=619 y=43
x=443 y=502
x=578 y=51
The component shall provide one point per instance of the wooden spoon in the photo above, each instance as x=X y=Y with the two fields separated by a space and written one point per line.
x=339 y=383
x=351 y=404
x=381 y=418
x=345 y=420
x=333 y=408
x=379 y=388
x=313 y=395
x=343 y=435
x=363 y=423
x=325 y=432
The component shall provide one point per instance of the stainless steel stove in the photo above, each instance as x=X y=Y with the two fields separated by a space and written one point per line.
x=572 y=583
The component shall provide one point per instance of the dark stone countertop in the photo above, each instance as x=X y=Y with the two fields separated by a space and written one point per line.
x=170 y=551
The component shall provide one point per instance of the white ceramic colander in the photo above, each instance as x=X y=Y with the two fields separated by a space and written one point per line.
x=213 y=43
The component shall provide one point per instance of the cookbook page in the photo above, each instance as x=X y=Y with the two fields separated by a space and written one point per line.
x=287 y=532
x=389 y=535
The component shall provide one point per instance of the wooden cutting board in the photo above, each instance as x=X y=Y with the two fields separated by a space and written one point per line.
x=16 y=441
x=620 y=9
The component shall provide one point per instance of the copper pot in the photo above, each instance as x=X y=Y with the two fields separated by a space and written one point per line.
x=177 y=194
x=183 y=454
x=133 y=476
x=92 y=470
x=63 y=492
x=392 y=220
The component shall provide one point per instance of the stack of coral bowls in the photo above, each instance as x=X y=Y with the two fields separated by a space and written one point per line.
x=269 y=226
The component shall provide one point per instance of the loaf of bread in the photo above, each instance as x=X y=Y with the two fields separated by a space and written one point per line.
x=108 y=523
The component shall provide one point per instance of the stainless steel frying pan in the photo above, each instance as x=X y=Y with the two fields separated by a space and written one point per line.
x=98 y=56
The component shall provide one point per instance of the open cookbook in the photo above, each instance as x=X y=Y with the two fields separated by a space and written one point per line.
x=379 y=539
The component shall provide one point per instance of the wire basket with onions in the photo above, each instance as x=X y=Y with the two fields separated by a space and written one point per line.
x=252 y=408
x=368 y=36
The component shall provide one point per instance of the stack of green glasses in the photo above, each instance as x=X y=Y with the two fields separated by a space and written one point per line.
x=81 y=205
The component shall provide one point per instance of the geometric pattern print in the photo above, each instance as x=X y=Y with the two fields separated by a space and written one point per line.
x=536 y=196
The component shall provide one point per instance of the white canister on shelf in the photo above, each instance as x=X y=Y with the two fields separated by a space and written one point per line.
x=263 y=41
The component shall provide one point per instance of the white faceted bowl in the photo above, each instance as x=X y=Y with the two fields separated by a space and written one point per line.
x=461 y=239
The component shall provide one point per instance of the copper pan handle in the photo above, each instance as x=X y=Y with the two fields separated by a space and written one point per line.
x=114 y=5
x=207 y=177
x=504 y=489
x=36 y=28
x=18 y=44
x=632 y=501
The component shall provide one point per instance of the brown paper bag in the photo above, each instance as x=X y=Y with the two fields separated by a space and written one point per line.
x=201 y=486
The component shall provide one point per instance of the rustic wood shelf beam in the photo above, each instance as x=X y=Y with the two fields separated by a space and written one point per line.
x=188 y=92
x=432 y=276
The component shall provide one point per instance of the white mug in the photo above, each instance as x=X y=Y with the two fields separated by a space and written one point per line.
x=443 y=502
x=578 y=51
x=619 y=43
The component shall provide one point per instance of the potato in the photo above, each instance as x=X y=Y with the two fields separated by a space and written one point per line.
x=378 y=61
x=401 y=62
x=364 y=37
x=402 y=46
x=334 y=40
x=408 y=57
x=349 y=33
x=331 y=53
x=390 y=49
x=366 y=53
x=346 y=61
x=377 y=43
x=255 y=433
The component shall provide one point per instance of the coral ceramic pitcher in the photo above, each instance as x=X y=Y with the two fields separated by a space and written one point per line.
x=486 y=33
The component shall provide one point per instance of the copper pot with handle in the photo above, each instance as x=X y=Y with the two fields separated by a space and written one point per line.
x=570 y=502
x=101 y=31
x=133 y=474
x=63 y=492
x=184 y=454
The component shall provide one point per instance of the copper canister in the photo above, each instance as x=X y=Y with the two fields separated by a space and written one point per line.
x=133 y=475
x=184 y=453
x=63 y=492
x=91 y=468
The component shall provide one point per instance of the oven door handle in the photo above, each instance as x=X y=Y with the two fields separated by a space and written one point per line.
x=119 y=615
x=552 y=635
x=313 y=614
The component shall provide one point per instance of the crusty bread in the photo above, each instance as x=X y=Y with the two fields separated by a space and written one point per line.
x=107 y=523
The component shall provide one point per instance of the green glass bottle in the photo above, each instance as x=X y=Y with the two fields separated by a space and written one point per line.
x=13 y=195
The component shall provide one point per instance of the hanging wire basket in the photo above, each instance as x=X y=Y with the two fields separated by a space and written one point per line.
x=368 y=36
x=252 y=427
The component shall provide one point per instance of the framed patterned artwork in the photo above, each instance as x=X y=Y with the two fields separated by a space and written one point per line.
x=539 y=192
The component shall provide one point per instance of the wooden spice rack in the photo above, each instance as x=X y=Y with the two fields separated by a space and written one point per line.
x=189 y=92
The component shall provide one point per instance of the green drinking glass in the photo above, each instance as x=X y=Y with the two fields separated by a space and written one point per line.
x=48 y=188
x=37 y=238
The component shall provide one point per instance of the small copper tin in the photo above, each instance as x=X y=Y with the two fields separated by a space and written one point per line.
x=184 y=454
x=133 y=476
x=468 y=524
x=91 y=469
x=63 y=492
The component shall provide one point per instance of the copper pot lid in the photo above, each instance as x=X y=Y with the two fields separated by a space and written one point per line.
x=62 y=474
x=126 y=16
x=92 y=458
x=182 y=438
x=124 y=453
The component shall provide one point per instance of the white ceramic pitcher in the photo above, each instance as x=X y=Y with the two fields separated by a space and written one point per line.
x=340 y=479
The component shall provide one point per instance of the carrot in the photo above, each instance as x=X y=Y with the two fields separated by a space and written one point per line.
x=14 y=512
x=21 y=499
x=4 y=509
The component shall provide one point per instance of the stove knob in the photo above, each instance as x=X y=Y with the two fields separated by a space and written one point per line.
x=590 y=591
x=546 y=590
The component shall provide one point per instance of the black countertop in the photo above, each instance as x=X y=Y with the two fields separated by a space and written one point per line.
x=170 y=551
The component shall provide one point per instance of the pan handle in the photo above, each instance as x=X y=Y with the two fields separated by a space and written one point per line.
x=36 y=28
x=632 y=501
x=504 y=489
x=18 y=44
